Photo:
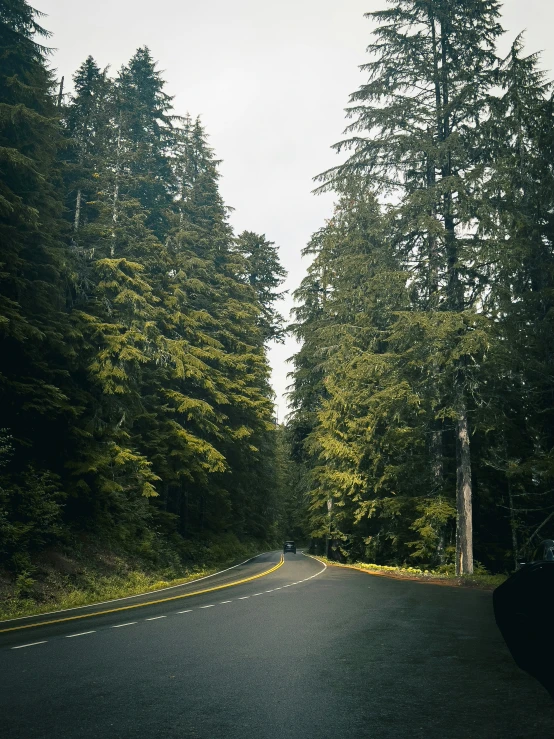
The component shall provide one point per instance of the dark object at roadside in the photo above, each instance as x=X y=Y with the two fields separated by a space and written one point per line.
x=522 y=607
x=289 y=546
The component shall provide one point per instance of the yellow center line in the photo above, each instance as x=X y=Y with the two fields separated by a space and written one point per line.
x=149 y=603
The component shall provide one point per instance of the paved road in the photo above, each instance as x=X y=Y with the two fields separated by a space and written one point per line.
x=16 y=632
x=303 y=651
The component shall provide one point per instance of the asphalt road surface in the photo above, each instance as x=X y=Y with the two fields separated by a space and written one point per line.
x=303 y=651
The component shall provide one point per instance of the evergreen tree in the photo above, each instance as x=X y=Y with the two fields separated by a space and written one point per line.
x=430 y=80
x=116 y=306
x=517 y=418
x=87 y=121
x=142 y=137
x=134 y=373
x=264 y=274
x=33 y=275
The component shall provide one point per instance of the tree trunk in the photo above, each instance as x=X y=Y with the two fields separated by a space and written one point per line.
x=456 y=304
x=441 y=556
x=60 y=93
x=437 y=482
x=116 y=190
x=464 y=522
x=437 y=459
x=77 y=219
x=114 y=217
x=328 y=537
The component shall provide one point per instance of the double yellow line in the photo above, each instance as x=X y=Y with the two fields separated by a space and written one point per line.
x=149 y=603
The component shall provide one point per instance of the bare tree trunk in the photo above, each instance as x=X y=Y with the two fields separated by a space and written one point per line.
x=60 y=93
x=328 y=537
x=437 y=460
x=456 y=304
x=464 y=520
x=438 y=464
x=116 y=190
x=114 y=217
x=441 y=555
x=77 y=219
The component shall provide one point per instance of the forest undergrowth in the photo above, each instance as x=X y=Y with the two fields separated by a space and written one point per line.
x=93 y=571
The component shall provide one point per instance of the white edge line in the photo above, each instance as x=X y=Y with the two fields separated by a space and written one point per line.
x=22 y=646
x=118 y=626
x=131 y=623
x=83 y=633
x=137 y=595
x=317 y=560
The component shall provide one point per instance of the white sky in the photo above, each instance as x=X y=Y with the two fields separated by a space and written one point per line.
x=270 y=81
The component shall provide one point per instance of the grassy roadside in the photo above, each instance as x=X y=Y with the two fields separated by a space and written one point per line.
x=480 y=579
x=62 y=580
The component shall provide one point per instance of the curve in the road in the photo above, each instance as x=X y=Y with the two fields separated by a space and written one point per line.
x=135 y=595
x=190 y=610
x=141 y=605
x=338 y=656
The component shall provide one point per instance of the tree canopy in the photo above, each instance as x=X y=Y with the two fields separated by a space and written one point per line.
x=133 y=323
x=419 y=409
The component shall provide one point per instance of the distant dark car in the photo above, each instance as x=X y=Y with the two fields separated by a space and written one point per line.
x=289 y=546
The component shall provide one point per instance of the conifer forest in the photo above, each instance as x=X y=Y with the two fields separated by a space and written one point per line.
x=135 y=400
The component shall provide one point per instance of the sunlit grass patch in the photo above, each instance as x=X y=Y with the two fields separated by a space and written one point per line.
x=481 y=578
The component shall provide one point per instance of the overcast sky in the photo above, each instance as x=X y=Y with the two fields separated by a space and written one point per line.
x=270 y=80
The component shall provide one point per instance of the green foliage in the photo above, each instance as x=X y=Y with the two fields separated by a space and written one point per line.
x=444 y=574
x=101 y=571
x=31 y=511
x=264 y=273
x=427 y=307
x=134 y=377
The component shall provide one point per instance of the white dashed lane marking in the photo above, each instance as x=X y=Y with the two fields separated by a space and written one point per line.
x=22 y=646
x=83 y=633
x=119 y=626
x=188 y=610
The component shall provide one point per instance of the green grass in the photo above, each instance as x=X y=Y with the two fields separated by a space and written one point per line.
x=102 y=575
x=95 y=590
